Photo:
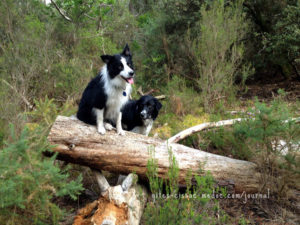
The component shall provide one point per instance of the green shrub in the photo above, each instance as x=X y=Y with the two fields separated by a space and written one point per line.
x=219 y=51
x=269 y=138
x=273 y=43
x=46 y=111
x=183 y=100
x=169 y=206
x=29 y=182
x=283 y=45
x=163 y=25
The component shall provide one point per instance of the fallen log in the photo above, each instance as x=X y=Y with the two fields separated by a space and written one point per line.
x=80 y=143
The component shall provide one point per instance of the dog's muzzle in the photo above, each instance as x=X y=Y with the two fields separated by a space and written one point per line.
x=143 y=114
x=130 y=78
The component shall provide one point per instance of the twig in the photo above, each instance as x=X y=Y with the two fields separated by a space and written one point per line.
x=30 y=106
x=140 y=91
x=160 y=97
x=88 y=16
x=61 y=12
x=150 y=92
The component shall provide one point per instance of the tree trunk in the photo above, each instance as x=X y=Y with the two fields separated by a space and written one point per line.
x=80 y=143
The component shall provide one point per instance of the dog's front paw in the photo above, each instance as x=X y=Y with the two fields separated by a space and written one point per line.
x=101 y=130
x=121 y=132
x=108 y=126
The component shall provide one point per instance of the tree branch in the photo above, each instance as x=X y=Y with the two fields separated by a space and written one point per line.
x=30 y=106
x=188 y=132
x=61 y=12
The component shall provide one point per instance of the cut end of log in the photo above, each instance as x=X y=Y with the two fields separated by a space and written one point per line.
x=102 y=212
x=118 y=207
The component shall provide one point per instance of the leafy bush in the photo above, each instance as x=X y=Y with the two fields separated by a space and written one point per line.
x=169 y=206
x=29 y=182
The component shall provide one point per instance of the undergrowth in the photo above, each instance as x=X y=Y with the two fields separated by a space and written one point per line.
x=169 y=205
x=270 y=138
x=29 y=181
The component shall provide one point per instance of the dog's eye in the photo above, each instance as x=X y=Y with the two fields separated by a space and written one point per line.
x=120 y=67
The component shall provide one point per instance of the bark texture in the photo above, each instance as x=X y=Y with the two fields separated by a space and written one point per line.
x=80 y=143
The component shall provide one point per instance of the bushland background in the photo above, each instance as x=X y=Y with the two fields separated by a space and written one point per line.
x=212 y=60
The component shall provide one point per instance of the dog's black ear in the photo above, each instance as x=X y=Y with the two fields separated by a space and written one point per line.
x=158 y=105
x=126 y=51
x=106 y=58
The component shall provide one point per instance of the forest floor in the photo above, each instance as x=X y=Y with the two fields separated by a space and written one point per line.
x=272 y=210
x=252 y=210
x=266 y=89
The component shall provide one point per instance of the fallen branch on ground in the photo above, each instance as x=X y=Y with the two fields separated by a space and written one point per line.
x=192 y=130
x=188 y=132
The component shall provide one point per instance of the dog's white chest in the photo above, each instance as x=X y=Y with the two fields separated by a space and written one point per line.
x=145 y=130
x=114 y=103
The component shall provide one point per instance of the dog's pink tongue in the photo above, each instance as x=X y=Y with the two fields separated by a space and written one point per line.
x=130 y=80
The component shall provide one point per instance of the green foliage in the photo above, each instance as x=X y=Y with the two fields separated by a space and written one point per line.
x=156 y=184
x=46 y=111
x=173 y=207
x=29 y=182
x=190 y=41
x=165 y=53
x=183 y=99
x=273 y=45
x=283 y=46
x=32 y=63
x=191 y=51
x=269 y=138
x=219 y=51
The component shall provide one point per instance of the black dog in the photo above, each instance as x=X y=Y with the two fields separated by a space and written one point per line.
x=138 y=115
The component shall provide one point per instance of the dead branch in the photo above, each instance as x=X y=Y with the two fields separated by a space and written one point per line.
x=29 y=105
x=61 y=12
x=160 y=97
x=140 y=91
x=192 y=130
x=188 y=132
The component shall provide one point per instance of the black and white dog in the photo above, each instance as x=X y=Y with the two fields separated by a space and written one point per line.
x=138 y=115
x=105 y=95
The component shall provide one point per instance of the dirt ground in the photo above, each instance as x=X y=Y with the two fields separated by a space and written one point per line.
x=268 y=88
